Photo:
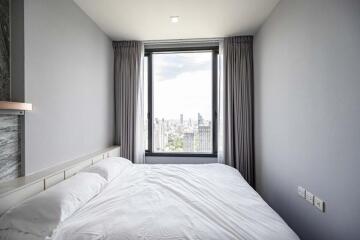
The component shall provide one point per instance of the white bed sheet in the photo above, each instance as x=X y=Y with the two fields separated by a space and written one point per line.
x=163 y=202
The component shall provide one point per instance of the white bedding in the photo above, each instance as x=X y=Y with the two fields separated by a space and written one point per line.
x=41 y=214
x=163 y=202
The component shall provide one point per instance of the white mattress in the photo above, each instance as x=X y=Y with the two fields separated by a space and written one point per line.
x=163 y=202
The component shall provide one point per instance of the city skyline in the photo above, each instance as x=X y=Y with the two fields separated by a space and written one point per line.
x=182 y=135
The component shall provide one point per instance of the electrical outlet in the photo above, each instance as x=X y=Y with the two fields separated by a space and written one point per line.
x=319 y=204
x=309 y=197
x=301 y=191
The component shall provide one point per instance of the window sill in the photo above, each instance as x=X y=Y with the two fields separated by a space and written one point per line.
x=202 y=155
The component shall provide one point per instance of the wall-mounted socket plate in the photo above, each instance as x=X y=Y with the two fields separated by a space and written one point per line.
x=309 y=197
x=319 y=204
x=301 y=191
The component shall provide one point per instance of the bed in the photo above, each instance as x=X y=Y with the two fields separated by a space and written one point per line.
x=163 y=202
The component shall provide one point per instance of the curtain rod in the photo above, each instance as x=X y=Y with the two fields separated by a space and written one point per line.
x=179 y=43
x=183 y=41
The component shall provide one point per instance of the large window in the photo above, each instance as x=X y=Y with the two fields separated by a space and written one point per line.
x=180 y=101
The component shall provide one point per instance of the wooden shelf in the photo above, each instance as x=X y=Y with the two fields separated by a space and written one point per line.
x=20 y=106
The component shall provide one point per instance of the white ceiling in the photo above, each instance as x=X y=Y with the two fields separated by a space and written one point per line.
x=150 y=19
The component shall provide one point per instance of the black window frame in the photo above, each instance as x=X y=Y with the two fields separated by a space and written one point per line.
x=215 y=54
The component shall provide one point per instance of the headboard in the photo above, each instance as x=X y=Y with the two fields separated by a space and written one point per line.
x=15 y=191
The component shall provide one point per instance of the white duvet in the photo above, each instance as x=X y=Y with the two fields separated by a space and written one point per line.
x=163 y=202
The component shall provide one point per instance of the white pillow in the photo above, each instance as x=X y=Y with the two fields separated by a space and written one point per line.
x=41 y=214
x=109 y=168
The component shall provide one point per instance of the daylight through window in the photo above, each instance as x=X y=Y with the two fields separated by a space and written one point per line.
x=180 y=102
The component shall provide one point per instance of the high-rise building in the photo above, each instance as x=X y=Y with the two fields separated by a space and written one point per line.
x=200 y=119
x=156 y=137
x=160 y=135
x=181 y=119
x=205 y=142
x=188 y=142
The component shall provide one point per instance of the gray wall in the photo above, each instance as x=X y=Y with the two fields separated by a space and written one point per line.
x=307 y=114
x=69 y=81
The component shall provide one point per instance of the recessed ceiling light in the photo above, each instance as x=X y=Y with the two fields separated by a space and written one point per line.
x=174 y=19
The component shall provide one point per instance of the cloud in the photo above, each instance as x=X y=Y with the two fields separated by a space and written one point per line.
x=170 y=66
x=188 y=94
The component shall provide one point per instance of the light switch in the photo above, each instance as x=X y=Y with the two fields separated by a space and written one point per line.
x=319 y=204
x=301 y=191
x=309 y=197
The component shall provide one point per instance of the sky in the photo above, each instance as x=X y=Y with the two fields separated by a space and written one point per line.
x=182 y=83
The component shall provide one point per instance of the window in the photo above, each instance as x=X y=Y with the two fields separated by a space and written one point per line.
x=146 y=105
x=180 y=101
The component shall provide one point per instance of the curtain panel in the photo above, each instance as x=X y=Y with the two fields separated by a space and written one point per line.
x=220 y=105
x=238 y=78
x=128 y=61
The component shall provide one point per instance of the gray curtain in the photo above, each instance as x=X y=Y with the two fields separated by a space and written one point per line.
x=238 y=79
x=128 y=57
